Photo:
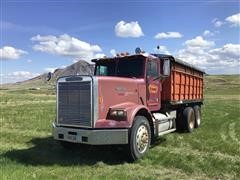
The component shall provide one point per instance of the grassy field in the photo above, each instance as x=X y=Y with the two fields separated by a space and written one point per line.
x=27 y=150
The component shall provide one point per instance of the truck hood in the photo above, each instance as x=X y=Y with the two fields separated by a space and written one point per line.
x=115 y=90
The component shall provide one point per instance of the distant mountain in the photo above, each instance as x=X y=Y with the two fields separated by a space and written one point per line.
x=79 y=68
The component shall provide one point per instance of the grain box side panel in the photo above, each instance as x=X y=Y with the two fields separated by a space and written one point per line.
x=186 y=83
x=183 y=84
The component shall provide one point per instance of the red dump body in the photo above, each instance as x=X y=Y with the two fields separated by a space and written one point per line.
x=185 y=83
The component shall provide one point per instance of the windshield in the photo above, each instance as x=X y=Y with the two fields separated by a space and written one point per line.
x=122 y=67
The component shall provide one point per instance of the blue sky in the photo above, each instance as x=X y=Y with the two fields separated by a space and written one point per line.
x=38 y=36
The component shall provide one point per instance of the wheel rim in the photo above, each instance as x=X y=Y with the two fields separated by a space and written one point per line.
x=142 y=139
x=191 y=121
x=198 y=118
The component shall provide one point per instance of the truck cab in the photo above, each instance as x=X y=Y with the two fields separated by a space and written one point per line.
x=123 y=103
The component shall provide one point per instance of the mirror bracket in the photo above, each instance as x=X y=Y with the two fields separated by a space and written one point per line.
x=161 y=77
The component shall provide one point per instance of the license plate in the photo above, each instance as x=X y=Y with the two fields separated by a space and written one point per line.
x=72 y=137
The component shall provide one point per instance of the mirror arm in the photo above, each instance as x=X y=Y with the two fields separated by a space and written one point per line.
x=160 y=77
x=49 y=76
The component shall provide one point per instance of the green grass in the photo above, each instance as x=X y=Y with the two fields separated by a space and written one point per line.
x=222 y=84
x=27 y=150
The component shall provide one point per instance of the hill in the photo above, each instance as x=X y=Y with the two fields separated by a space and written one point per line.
x=222 y=84
x=81 y=67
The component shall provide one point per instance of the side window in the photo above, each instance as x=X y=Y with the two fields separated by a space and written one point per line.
x=101 y=70
x=166 y=67
x=105 y=68
x=152 y=69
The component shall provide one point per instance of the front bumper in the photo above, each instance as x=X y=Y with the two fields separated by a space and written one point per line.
x=90 y=136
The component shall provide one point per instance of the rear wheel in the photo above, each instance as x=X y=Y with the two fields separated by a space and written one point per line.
x=140 y=138
x=197 y=113
x=179 y=120
x=188 y=119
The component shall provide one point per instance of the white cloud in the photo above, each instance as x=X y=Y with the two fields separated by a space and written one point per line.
x=29 y=60
x=228 y=51
x=17 y=76
x=99 y=55
x=196 y=57
x=234 y=20
x=65 y=45
x=75 y=60
x=24 y=74
x=113 y=52
x=199 y=42
x=217 y=23
x=162 y=50
x=131 y=29
x=225 y=59
x=167 y=35
x=50 y=69
x=44 y=38
x=208 y=33
x=9 y=53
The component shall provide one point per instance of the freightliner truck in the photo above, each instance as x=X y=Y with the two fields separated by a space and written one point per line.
x=130 y=100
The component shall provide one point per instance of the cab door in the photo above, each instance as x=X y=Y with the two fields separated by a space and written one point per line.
x=153 y=84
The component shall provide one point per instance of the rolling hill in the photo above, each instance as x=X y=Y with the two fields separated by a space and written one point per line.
x=81 y=67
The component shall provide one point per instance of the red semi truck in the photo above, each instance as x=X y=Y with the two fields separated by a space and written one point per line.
x=130 y=100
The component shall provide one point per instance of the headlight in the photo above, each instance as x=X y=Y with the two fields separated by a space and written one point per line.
x=117 y=114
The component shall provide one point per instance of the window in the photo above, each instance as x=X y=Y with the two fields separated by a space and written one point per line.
x=130 y=68
x=102 y=70
x=152 y=69
x=123 y=67
x=166 y=67
x=105 y=69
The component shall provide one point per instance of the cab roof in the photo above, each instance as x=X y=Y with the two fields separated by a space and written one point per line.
x=146 y=55
x=120 y=57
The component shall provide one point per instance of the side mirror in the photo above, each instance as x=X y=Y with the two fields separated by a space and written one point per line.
x=166 y=67
x=49 y=76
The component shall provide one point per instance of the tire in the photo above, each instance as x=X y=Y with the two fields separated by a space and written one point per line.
x=67 y=145
x=140 y=138
x=188 y=119
x=197 y=113
x=179 y=120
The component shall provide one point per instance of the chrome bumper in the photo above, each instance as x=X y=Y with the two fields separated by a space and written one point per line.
x=88 y=136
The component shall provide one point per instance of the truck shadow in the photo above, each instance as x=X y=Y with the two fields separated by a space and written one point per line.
x=46 y=151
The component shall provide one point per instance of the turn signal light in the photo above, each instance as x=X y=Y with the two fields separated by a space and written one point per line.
x=100 y=100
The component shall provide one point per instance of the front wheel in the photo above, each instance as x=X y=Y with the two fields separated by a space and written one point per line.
x=140 y=138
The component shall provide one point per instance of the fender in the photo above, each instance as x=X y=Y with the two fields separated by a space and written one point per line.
x=132 y=110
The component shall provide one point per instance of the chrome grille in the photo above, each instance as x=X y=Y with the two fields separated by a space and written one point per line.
x=74 y=103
